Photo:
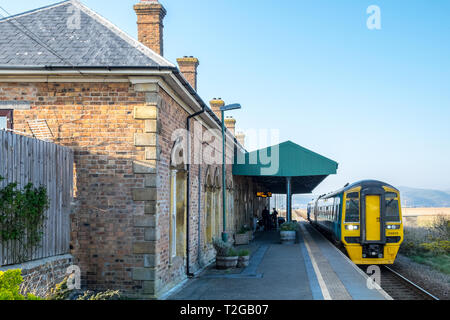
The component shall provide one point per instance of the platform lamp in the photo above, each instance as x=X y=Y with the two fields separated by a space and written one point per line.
x=223 y=109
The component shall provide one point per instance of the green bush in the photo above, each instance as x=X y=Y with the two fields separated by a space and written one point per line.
x=427 y=241
x=105 y=295
x=22 y=215
x=10 y=282
x=62 y=292
x=244 y=253
x=232 y=253
x=244 y=230
x=436 y=247
x=289 y=226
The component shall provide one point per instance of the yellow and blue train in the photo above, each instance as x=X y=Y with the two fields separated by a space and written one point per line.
x=365 y=218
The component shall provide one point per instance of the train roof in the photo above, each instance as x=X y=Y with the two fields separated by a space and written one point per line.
x=362 y=183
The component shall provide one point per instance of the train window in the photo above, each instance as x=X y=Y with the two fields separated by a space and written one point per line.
x=352 y=207
x=392 y=207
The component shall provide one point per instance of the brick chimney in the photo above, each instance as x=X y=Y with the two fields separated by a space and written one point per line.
x=216 y=104
x=240 y=136
x=150 y=16
x=188 y=67
x=230 y=123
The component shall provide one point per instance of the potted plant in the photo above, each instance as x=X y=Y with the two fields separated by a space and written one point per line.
x=226 y=257
x=288 y=232
x=244 y=259
x=233 y=257
x=242 y=237
x=249 y=232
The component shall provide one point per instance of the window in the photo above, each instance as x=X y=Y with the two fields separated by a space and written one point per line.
x=352 y=207
x=6 y=119
x=392 y=207
x=173 y=214
x=177 y=232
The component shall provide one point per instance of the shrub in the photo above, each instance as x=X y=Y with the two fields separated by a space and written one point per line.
x=289 y=226
x=427 y=241
x=62 y=292
x=106 y=295
x=22 y=216
x=10 y=282
x=232 y=253
x=221 y=247
x=244 y=230
x=437 y=247
x=441 y=226
x=244 y=253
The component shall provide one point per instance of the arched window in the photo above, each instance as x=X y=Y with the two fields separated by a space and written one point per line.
x=217 y=205
x=178 y=193
x=230 y=206
x=208 y=207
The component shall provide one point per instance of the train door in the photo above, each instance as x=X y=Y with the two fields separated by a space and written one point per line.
x=372 y=215
x=373 y=218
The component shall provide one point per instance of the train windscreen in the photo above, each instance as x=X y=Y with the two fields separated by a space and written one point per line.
x=352 y=207
x=392 y=207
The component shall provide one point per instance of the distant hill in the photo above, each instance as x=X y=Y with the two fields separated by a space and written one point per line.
x=424 y=198
x=411 y=198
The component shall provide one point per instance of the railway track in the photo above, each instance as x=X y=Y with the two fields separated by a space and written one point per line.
x=399 y=287
x=396 y=285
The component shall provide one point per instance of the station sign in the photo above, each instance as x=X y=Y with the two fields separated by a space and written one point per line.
x=264 y=194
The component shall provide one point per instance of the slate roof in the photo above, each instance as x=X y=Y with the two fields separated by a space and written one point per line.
x=45 y=37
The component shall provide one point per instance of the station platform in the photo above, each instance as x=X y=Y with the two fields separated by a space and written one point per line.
x=312 y=269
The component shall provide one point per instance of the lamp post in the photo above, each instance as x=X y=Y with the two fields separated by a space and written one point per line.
x=224 y=168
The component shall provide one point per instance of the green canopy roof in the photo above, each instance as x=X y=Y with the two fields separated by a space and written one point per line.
x=271 y=166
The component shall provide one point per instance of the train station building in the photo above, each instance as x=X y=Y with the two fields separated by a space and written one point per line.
x=148 y=187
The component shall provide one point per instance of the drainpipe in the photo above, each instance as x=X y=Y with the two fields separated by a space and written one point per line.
x=188 y=196
x=199 y=254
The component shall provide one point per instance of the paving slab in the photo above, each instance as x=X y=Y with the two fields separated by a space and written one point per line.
x=282 y=273
x=312 y=269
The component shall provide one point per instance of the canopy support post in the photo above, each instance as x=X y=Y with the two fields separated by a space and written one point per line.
x=289 y=199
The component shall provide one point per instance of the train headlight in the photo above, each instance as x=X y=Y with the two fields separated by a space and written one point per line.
x=351 y=227
x=393 y=227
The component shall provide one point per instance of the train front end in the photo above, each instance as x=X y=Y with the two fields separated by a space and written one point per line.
x=372 y=225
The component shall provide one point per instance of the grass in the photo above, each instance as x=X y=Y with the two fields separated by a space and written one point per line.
x=440 y=263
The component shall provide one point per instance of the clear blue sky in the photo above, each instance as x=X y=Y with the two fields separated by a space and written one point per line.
x=377 y=102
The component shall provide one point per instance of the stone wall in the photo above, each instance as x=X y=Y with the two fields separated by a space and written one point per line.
x=41 y=276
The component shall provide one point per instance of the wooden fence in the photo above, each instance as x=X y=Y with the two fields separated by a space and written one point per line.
x=26 y=160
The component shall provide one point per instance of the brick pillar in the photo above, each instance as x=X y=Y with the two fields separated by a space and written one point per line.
x=216 y=104
x=150 y=16
x=146 y=247
x=188 y=67
x=230 y=123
